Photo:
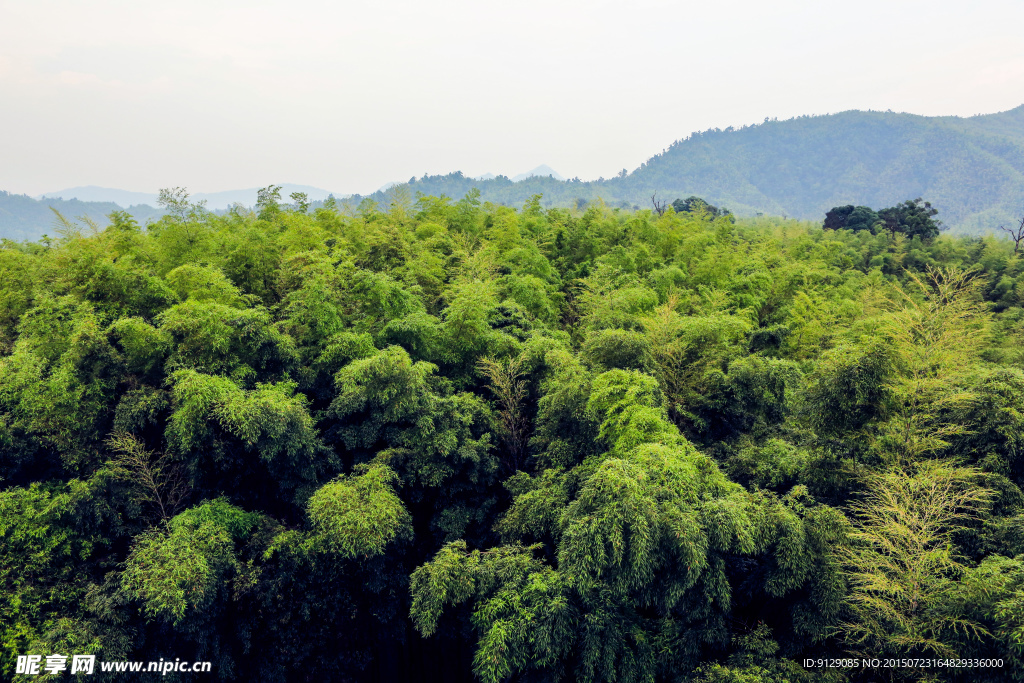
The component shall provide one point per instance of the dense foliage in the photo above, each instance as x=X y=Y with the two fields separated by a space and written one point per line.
x=447 y=440
x=912 y=218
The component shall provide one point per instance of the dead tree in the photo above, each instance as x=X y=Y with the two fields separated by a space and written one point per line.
x=1016 y=234
x=658 y=206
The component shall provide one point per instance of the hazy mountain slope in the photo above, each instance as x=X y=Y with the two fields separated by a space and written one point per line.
x=25 y=218
x=542 y=170
x=1007 y=123
x=807 y=165
x=214 y=200
x=972 y=169
x=94 y=193
x=500 y=189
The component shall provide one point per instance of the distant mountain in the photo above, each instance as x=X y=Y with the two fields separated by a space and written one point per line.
x=92 y=193
x=225 y=200
x=971 y=169
x=541 y=171
x=25 y=218
x=214 y=200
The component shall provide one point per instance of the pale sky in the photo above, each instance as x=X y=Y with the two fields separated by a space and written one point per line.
x=347 y=96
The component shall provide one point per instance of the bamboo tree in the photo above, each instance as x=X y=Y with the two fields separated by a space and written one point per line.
x=508 y=384
x=937 y=331
x=904 y=565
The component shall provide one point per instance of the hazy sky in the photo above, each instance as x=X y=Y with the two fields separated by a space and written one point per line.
x=346 y=96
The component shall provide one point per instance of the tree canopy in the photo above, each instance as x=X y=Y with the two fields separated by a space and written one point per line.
x=432 y=439
x=912 y=218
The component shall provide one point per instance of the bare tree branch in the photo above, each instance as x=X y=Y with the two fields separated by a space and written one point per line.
x=157 y=478
x=659 y=207
x=1016 y=234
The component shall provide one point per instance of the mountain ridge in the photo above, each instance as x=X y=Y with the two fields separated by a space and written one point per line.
x=971 y=169
x=215 y=201
x=25 y=218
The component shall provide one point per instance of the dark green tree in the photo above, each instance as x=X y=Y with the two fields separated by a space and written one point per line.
x=913 y=218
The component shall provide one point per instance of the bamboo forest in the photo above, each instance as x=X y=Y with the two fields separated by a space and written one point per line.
x=443 y=439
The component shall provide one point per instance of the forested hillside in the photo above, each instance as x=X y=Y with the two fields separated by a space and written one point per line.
x=971 y=169
x=458 y=441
